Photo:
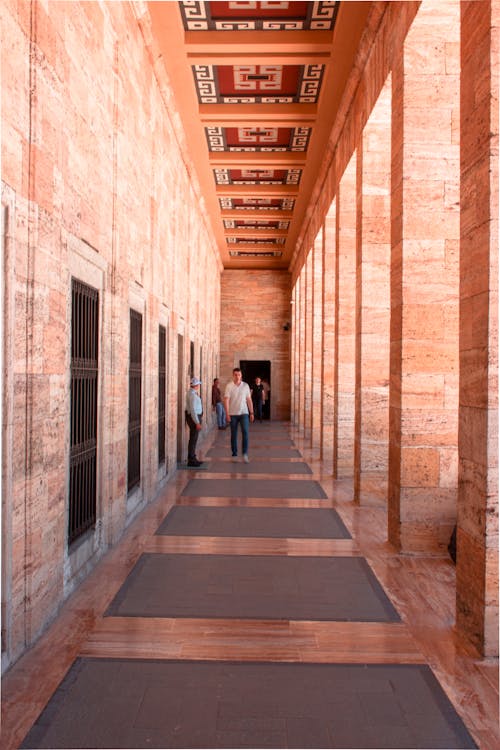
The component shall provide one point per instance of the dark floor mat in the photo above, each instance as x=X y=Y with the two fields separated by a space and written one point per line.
x=120 y=703
x=257 y=451
x=253 y=586
x=259 y=466
x=293 y=488
x=293 y=523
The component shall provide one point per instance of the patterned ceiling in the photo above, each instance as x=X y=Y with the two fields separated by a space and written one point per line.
x=258 y=84
x=257 y=91
x=258 y=16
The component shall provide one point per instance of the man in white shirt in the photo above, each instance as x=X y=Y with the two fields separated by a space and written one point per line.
x=239 y=411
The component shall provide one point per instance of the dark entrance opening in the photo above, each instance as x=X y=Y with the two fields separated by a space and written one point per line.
x=258 y=368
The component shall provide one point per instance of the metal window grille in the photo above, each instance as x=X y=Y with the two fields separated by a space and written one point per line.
x=162 y=382
x=134 y=400
x=83 y=443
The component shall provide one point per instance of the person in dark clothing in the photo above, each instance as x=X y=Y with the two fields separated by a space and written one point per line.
x=258 y=398
x=267 y=399
x=218 y=406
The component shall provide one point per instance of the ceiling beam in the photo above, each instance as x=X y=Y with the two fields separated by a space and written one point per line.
x=262 y=158
x=252 y=115
x=271 y=42
x=257 y=213
x=241 y=57
x=254 y=233
x=250 y=247
x=250 y=191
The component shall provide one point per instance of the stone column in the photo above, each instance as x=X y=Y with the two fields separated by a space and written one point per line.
x=477 y=532
x=293 y=353
x=346 y=208
x=424 y=283
x=302 y=337
x=297 y=338
x=373 y=309
x=308 y=323
x=317 y=340
x=329 y=335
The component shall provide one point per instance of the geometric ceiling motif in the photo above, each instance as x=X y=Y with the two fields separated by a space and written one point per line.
x=255 y=224
x=230 y=203
x=255 y=254
x=256 y=176
x=257 y=138
x=252 y=241
x=259 y=16
x=258 y=84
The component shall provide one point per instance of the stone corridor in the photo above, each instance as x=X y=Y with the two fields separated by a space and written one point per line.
x=274 y=616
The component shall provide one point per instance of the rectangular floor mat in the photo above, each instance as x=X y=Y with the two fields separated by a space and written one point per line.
x=292 y=523
x=257 y=451
x=259 y=466
x=254 y=488
x=120 y=703
x=254 y=587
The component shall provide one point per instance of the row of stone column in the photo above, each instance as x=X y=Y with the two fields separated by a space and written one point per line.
x=394 y=346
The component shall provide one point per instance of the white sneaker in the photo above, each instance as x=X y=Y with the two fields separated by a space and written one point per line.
x=245 y=458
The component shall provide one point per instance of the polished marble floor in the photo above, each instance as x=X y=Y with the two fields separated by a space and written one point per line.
x=226 y=618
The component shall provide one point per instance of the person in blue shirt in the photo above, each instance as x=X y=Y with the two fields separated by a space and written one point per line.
x=194 y=413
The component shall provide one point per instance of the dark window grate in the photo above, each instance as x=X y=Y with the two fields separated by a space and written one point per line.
x=134 y=400
x=162 y=383
x=83 y=442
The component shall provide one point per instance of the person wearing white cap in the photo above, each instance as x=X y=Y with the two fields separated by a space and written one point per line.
x=194 y=413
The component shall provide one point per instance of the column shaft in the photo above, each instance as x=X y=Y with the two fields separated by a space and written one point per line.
x=424 y=283
x=477 y=533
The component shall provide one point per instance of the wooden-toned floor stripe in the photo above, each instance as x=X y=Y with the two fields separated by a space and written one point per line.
x=328 y=642
x=266 y=502
x=202 y=545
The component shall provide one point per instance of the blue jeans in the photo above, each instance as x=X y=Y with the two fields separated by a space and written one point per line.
x=221 y=414
x=243 y=420
x=257 y=409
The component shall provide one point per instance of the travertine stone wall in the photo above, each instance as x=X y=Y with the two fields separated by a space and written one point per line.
x=255 y=307
x=424 y=282
x=346 y=319
x=295 y=354
x=477 y=536
x=317 y=342
x=328 y=379
x=308 y=345
x=97 y=185
x=373 y=305
x=303 y=346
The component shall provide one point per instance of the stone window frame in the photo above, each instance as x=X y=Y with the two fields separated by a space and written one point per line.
x=164 y=320
x=136 y=300
x=87 y=265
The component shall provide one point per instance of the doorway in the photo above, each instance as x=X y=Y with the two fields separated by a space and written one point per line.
x=258 y=368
